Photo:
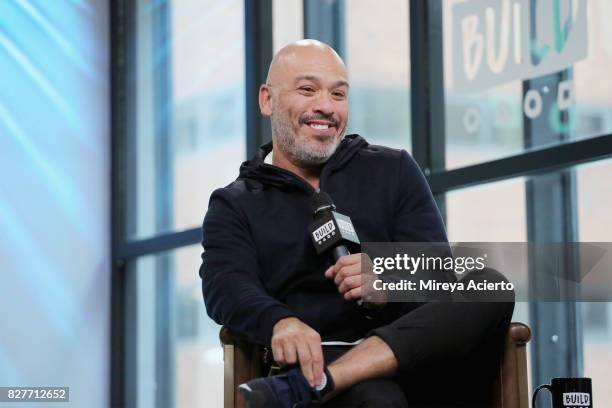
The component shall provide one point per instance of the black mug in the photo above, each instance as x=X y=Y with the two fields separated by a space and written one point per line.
x=568 y=393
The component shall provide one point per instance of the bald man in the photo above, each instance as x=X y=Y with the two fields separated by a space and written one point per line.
x=306 y=97
x=262 y=278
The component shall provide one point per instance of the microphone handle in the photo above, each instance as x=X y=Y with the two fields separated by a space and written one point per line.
x=339 y=251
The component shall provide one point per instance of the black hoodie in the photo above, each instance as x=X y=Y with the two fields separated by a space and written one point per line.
x=259 y=264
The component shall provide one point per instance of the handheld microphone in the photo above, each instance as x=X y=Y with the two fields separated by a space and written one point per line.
x=331 y=230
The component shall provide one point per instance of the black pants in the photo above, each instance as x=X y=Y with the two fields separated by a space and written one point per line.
x=449 y=355
x=375 y=393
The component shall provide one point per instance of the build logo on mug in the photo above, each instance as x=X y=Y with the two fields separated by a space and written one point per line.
x=568 y=393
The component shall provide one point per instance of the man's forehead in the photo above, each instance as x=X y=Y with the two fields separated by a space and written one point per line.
x=337 y=80
x=316 y=62
x=316 y=71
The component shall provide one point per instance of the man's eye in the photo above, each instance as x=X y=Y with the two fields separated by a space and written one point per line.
x=307 y=89
x=339 y=94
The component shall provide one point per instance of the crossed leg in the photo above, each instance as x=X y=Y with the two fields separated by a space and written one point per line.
x=457 y=346
x=349 y=369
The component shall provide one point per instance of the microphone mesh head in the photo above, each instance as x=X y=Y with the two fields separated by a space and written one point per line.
x=321 y=200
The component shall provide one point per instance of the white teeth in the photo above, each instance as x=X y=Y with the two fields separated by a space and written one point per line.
x=320 y=127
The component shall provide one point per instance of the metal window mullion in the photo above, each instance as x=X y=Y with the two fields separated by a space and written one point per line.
x=324 y=21
x=427 y=89
x=159 y=243
x=258 y=52
x=121 y=29
x=541 y=160
x=551 y=217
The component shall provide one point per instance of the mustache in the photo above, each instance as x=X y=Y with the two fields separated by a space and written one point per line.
x=330 y=118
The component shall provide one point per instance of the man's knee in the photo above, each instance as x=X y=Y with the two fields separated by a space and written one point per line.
x=491 y=285
x=376 y=393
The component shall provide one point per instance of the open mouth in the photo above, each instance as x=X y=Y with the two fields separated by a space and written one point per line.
x=320 y=126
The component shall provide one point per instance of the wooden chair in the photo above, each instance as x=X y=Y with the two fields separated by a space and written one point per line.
x=511 y=389
x=242 y=362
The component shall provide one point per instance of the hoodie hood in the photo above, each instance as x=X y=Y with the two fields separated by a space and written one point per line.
x=256 y=169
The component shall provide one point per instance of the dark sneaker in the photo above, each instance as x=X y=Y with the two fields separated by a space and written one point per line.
x=287 y=390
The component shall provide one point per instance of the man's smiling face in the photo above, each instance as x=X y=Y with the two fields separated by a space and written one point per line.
x=308 y=103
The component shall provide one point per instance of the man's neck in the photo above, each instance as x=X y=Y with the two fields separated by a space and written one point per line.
x=311 y=175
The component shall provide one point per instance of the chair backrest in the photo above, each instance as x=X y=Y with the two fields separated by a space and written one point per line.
x=242 y=362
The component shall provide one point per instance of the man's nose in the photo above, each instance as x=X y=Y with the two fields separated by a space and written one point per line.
x=324 y=103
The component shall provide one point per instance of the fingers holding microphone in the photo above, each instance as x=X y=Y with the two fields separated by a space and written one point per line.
x=353 y=275
x=346 y=274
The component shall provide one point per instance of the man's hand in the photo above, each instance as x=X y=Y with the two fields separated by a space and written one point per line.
x=294 y=341
x=347 y=276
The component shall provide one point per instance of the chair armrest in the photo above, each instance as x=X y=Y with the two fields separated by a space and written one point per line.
x=520 y=333
x=511 y=390
x=227 y=337
x=242 y=362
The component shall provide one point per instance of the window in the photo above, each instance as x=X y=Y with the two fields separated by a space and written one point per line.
x=594 y=222
x=378 y=62
x=493 y=112
x=180 y=133
x=497 y=167
x=179 y=360
x=493 y=213
x=287 y=21
x=487 y=112
x=189 y=128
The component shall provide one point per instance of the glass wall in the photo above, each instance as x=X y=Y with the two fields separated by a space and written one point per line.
x=185 y=136
x=594 y=223
x=491 y=50
x=378 y=61
x=512 y=84
x=189 y=122
x=521 y=76
x=287 y=22
x=178 y=354
x=494 y=212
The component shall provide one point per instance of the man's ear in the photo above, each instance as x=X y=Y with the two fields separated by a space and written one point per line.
x=265 y=100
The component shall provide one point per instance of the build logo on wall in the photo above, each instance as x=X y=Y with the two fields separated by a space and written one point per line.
x=495 y=41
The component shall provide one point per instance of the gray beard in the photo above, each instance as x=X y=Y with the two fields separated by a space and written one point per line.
x=298 y=151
